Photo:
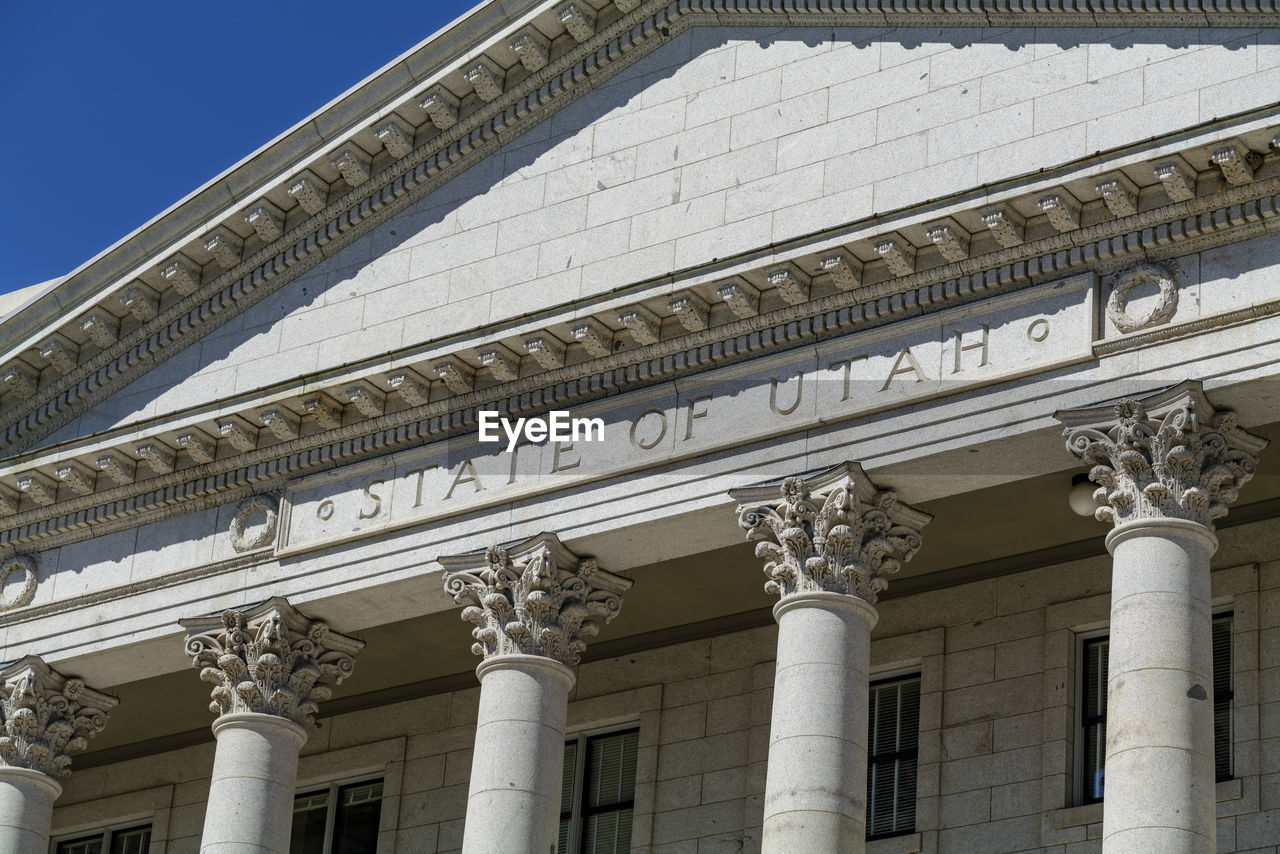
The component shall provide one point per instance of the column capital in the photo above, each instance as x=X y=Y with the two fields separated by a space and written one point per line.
x=833 y=531
x=1169 y=454
x=533 y=598
x=45 y=717
x=269 y=659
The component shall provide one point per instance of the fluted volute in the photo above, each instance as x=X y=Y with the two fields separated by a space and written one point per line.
x=1167 y=455
x=269 y=659
x=533 y=605
x=270 y=666
x=45 y=717
x=534 y=598
x=832 y=532
x=1168 y=464
x=828 y=541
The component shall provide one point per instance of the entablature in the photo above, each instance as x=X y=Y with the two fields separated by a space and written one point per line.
x=875 y=272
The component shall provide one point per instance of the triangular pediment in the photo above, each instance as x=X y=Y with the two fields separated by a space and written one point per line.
x=435 y=115
x=576 y=188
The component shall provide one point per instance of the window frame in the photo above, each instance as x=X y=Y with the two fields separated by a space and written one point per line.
x=578 y=790
x=331 y=790
x=878 y=680
x=1082 y=639
x=104 y=833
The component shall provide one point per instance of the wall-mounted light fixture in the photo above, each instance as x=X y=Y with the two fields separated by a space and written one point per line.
x=1081 y=496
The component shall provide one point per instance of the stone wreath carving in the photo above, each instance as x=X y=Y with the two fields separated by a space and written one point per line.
x=835 y=543
x=1143 y=274
x=250 y=507
x=23 y=595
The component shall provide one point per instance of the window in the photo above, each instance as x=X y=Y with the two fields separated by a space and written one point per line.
x=1093 y=710
x=125 y=840
x=597 y=796
x=339 y=819
x=893 y=737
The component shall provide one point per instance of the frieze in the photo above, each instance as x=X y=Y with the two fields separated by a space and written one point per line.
x=905 y=362
x=753 y=336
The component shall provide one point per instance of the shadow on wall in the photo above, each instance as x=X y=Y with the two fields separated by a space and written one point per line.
x=344 y=310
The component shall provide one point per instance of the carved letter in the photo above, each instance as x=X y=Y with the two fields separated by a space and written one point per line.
x=515 y=456
x=694 y=413
x=913 y=367
x=635 y=425
x=961 y=347
x=421 y=473
x=847 y=364
x=773 y=394
x=556 y=464
x=466 y=474
x=374 y=497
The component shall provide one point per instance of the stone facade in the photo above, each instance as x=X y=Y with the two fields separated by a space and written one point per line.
x=830 y=283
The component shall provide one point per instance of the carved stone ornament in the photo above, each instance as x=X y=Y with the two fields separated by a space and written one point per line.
x=45 y=717
x=831 y=532
x=269 y=659
x=22 y=592
x=242 y=539
x=534 y=598
x=1143 y=274
x=1168 y=455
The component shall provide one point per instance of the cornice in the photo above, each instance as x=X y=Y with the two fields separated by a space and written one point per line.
x=132 y=309
x=253 y=459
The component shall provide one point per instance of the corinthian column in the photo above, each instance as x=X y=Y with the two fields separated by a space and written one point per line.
x=1167 y=465
x=827 y=545
x=532 y=604
x=270 y=666
x=45 y=718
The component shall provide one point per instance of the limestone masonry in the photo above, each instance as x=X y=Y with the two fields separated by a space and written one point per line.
x=797 y=427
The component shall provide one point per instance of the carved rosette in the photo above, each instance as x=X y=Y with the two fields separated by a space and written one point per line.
x=46 y=717
x=534 y=598
x=834 y=532
x=1169 y=455
x=270 y=659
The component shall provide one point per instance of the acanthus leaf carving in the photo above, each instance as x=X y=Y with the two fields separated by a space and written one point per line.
x=834 y=532
x=534 y=598
x=46 y=717
x=1169 y=455
x=270 y=659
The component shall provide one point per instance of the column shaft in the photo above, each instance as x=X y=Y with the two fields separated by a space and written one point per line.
x=26 y=810
x=513 y=803
x=815 y=789
x=1160 y=760
x=255 y=771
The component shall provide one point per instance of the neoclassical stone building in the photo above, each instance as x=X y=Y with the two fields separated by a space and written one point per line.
x=915 y=365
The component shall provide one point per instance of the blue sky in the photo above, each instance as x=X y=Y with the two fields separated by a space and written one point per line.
x=114 y=111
